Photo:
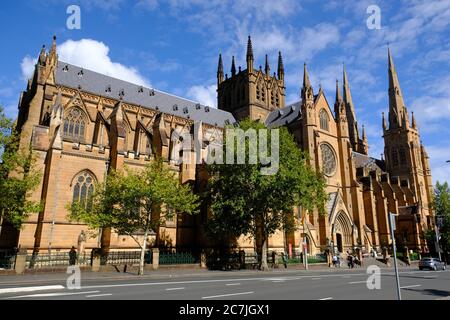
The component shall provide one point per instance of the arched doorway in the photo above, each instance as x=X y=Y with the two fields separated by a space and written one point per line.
x=339 y=242
x=342 y=232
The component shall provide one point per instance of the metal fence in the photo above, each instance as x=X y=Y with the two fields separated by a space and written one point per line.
x=7 y=260
x=126 y=257
x=178 y=258
x=59 y=259
x=298 y=258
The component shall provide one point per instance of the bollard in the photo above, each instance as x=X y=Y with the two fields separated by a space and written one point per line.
x=155 y=258
x=21 y=261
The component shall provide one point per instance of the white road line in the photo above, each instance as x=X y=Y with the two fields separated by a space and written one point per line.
x=31 y=289
x=329 y=298
x=228 y=295
x=44 y=295
x=413 y=286
x=316 y=278
x=233 y=284
x=278 y=281
x=173 y=289
x=355 y=282
x=99 y=295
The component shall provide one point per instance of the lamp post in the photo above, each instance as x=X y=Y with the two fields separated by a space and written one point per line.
x=392 y=228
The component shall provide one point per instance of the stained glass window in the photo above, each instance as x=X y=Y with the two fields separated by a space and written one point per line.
x=83 y=190
x=74 y=125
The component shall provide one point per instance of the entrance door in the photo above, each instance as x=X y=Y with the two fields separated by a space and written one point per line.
x=339 y=241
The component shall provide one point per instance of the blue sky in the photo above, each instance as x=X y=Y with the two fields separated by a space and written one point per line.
x=173 y=45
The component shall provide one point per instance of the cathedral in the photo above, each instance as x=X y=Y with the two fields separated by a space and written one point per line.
x=80 y=124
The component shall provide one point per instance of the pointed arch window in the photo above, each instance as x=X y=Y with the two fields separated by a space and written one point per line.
x=324 y=120
x=258 y=92
x=83 y=190
x=402 y=153
x=148 y=145
x=74 y=125
x=394 y=157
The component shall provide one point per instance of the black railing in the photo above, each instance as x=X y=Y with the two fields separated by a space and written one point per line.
x=7 y=260
x=58 y=259
x=126 y=257
x=166 y=258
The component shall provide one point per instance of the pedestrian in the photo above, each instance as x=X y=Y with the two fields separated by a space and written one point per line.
x=72 y=256
x=350 y=261
x=283 y=258
x=335 y=261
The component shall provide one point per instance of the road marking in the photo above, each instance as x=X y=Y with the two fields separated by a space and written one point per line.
x=329 y=298
x=99 y=295
x=228 y=295
x=44 y=295
x=413 y=286
x=278 y=281
x=233 y=284
x=316 y=278
x=355 y=282
x=31 y=289
x=173 y=289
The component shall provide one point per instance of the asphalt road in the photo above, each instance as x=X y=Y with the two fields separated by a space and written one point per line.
x=333 y=284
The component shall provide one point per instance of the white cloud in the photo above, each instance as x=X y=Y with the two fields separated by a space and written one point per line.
x=27 y=67
x=94 y=55
x=206 y=95
x=438 y=161
x=148 y=5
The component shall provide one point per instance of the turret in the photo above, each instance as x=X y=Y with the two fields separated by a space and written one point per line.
x=250 y=58
x=220 y=70
x=280 y=67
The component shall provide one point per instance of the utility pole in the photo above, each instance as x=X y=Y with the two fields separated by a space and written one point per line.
x=436 y=231
x=392 y=228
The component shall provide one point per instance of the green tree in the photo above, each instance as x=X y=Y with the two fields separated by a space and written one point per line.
x=129 y=202
x=441 y=206
x=246 y=202
x=18 y=177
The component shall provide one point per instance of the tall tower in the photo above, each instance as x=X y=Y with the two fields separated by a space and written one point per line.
x=251 y=93
x=358 y=144
x=406 y=158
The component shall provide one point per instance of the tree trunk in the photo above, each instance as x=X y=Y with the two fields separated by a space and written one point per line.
x=264 y=266
x=144 y=247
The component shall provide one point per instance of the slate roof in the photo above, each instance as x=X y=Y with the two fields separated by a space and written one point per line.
x=284 y=116
x=331 y=202
x=74 y=77
x=362 y=160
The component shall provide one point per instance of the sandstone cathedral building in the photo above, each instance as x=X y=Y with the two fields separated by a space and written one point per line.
x=81 y=124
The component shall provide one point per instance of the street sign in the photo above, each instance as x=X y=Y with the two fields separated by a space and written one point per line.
x=392 y=217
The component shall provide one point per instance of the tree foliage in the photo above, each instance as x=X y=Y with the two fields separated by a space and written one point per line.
x=18 y=176
x=441 y=206
x=128 y=200
x=246 y=202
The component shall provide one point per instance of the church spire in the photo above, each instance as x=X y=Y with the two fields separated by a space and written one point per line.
x=280 y=66
x=364 y=136
x=413 y=121
x=42 y=56
x=350 y=111
x=53 y=56
x=398 y=116
x=267 y=67
x=250 y=58
x=220 y=70
x=233 y=67
x=307 y=90
x=338 y=92
x=348 y=96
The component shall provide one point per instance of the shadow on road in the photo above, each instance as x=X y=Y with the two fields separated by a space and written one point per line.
x=431 y=292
